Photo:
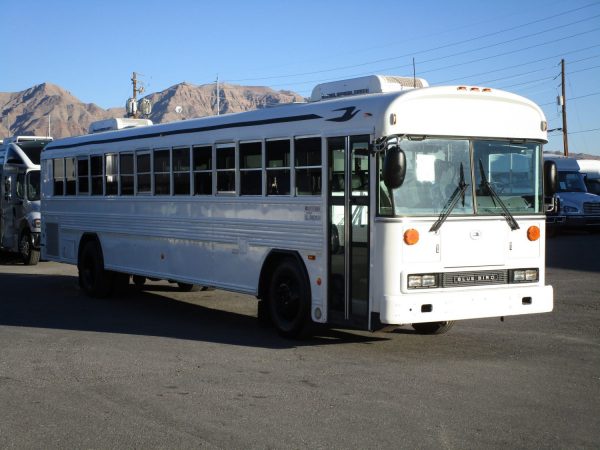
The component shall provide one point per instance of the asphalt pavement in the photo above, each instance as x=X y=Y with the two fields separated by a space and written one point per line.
x=167 y=369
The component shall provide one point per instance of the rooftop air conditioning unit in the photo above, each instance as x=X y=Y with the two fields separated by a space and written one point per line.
x=372 y=84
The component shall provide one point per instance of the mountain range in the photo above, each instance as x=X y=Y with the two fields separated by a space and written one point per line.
x=35 y=110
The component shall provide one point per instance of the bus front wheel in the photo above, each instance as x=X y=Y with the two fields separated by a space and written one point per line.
x=93 y=279
x=289 y=299
x=433 y=327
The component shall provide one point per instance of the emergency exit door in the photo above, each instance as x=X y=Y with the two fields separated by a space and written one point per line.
x=348 y=218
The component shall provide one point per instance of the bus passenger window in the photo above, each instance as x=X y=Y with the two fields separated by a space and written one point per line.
x=59 y=176
x=70 y=178
x=96 y=166
x=226 y=169
x=202 y=170
x=126 y=173
x=162 y=172
x=143 y=174
x=251 y=168
x=181 y=171
x=278 y=167
x=112 y=172
x=83 y=172
x=308 y=166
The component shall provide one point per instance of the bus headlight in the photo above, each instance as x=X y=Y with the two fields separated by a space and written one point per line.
x=524 y=275
x=428 y=280
x=37 y=223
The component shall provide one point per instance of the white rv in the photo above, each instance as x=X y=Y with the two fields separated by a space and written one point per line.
x=20 y=220
x=577 y=208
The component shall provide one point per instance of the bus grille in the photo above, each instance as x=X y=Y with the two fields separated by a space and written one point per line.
x=479 y=278
x=591 y=208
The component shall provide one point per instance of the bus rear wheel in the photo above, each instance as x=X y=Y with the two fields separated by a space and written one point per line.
x=289 y=299
x=433 y=327
x=93 y=279
x=29 y=254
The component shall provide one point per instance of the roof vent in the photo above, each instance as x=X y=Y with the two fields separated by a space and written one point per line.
x=117 y=124
x=372 y=84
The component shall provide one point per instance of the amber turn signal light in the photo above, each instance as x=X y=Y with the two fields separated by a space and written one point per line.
x=533 y=233
x=411 y=236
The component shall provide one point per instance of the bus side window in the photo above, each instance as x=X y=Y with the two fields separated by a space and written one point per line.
x=278 y=167
x=202 y=156
x=143 y=175
x=307 y=156
x=126 y=173
x=162 y=172
x=97 y=175
x=83 y=172
x=251 y=168
x=226 y=169
x=70 y=177
x=59 y=176
x=181 y=171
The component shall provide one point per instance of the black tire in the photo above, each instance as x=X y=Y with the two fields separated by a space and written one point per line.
x=29 y=255
x=187 y=287
x=433 y=327
x=93 y=279
x=289 y=299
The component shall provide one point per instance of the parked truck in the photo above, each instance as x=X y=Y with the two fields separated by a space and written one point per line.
x=590 y=168
x=20 y=221
x=576 y=208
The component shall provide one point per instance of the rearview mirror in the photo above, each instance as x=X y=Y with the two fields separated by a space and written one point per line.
x=394 y=168
x=550 y=178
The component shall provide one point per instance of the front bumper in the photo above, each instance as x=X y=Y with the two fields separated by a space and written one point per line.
x=568 y=221
x=461 y=304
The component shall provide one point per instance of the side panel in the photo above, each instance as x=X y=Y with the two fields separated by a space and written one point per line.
x=197 y=241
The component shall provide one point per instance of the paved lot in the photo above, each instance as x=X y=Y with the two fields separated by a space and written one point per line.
x=177 y=370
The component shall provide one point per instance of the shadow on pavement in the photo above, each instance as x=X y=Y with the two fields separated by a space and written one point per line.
x=56 y=302
x=574 y=251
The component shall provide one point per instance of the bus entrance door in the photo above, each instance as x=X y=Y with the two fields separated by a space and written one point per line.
x=348 y=215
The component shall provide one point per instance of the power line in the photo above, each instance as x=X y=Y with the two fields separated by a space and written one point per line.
x=464 y=62
x=453 y=44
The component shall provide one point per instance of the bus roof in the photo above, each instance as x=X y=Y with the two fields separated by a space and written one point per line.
x=440 y=111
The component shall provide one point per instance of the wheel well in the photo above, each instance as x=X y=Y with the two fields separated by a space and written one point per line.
x=272 y=260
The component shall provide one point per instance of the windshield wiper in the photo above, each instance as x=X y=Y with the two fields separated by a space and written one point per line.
x=512 y=223
x=452 y=201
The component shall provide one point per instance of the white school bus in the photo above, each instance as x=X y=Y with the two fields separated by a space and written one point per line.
x=376 y=203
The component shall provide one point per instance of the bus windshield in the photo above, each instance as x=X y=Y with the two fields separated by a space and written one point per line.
x=33 y=185
x=488 y=175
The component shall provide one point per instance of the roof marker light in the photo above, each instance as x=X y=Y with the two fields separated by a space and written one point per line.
x=474 y=89
x=487 y=89
x=461 y=88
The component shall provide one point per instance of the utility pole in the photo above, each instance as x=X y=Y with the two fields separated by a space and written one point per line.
x=135 y=91
x=564 y=109
x=218 y=97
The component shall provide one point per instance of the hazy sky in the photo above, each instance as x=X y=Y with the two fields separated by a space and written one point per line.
x=91 y=47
